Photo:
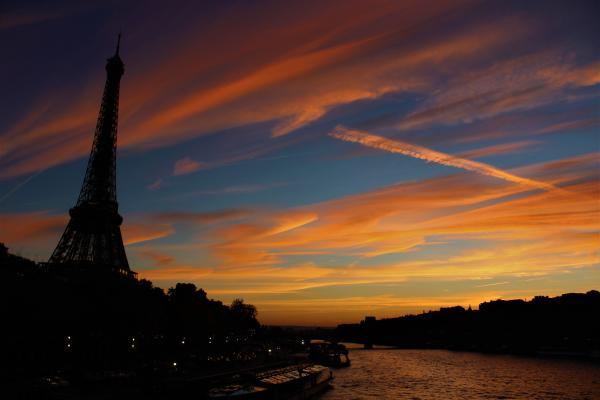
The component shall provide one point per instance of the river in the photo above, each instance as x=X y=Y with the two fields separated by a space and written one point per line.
x=446 y=375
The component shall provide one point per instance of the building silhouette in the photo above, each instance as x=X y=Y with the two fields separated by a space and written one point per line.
x=92 y=238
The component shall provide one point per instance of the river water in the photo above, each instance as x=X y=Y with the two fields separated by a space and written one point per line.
x=446 y=375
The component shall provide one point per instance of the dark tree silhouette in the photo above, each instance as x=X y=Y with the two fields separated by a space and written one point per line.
x=562 y=325
x=78 y=321
x=243 y=315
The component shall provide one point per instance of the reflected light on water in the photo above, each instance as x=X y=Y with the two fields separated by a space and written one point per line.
x=440 y=374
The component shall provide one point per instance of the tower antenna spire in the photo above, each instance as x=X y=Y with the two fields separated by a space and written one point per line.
x=118 y=43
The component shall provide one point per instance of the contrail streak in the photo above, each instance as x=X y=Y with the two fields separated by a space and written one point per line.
x=423 y=153
x=20 y=185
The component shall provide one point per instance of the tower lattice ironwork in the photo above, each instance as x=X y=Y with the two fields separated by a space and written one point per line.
x=93 y=236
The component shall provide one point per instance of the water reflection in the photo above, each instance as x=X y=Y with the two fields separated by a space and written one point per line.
x=439 y=374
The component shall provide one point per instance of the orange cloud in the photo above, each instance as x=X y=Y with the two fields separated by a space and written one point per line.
x=533 y=234
x=232 y=250
x=526 y=123
x=26 y=227
x=294 y=85
x=402 y=217
x=520 y=83
x=186 y=166
x=135 y=232
x=503 y=148
x=157 y=257
x=32 y=234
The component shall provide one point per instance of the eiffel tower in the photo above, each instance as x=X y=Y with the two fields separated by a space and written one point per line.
x=92 y=239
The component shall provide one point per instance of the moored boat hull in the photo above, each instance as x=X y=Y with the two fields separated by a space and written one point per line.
x=294 y=383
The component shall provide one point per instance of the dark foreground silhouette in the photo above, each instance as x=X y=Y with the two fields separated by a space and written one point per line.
x=76 y=334
x=566 y=325
x=93 y=326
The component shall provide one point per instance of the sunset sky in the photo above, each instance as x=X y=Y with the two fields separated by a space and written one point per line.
x=323 y=160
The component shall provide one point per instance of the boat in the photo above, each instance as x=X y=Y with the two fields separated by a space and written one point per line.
x=330 y=354
x=296 y=382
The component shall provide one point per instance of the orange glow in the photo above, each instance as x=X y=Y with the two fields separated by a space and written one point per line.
x=535 y=235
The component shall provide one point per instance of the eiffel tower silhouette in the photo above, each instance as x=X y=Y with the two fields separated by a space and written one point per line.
x=92 y=238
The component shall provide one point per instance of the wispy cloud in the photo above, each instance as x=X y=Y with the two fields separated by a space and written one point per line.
x=18 y=19
x=234 y=189
x=157 y=184
x=429 y=155
x=493 y=284
x=312 y=68
x=157 y=257
x=498 y=149
x=532 y=234
x=202 y=217
x=186 y=166
x=519 y=83
x=30 y=227
x=137 y=232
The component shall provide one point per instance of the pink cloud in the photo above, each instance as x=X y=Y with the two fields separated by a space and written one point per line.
x=186 y=166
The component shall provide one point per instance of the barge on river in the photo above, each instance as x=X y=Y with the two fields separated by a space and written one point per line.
x=295 y=382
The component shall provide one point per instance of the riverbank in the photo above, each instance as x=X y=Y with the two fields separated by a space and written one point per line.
x=561 y=326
